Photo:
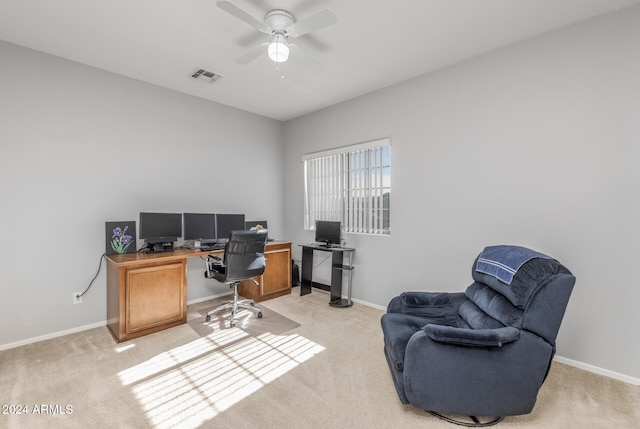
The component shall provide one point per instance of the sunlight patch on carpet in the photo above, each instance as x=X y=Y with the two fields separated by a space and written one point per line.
x=193 y=383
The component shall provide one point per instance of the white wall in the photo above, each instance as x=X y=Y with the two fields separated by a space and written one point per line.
x=534 y=145
x=80 y=147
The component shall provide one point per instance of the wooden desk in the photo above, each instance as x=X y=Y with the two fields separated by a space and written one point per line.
x=147 y=292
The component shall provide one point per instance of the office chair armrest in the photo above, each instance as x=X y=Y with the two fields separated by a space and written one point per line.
x=472 y=337
x=214 y=265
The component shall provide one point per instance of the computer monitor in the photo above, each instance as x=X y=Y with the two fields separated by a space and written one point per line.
x=328 y=232
x=160 y=230
x=225 y=223
x=199 y=227
x=257 y=224
x=254 y=223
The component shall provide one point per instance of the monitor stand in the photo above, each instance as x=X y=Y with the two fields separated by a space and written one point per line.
x=160 y=247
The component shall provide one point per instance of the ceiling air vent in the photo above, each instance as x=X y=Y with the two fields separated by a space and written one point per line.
x=206 y=76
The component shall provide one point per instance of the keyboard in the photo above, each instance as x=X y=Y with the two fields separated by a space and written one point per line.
x=215 y=246
x=327 y=246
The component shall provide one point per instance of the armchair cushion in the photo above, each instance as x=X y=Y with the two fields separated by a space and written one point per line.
x=472 y=337
x=472 y=317
x=486 y=308
x=531 y=276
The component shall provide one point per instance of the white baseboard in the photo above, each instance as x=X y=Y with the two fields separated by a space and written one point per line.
x=84 y=328
x=207 y=298
x=52 y=335
x=598 y=370
x=368 y=304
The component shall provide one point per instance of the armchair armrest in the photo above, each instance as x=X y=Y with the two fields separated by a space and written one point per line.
x=472 y=337
x=437 y=306
x=424 y=299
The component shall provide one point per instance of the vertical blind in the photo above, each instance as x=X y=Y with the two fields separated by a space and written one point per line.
x=351 y=185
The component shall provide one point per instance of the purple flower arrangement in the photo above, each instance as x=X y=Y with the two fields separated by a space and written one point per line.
x=120 y=240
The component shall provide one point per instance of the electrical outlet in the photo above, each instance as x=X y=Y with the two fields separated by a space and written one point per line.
x=77 y=299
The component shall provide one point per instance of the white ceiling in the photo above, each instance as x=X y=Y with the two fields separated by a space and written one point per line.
x=373 y=45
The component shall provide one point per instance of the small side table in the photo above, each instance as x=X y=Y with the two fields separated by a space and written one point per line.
x=337 y=268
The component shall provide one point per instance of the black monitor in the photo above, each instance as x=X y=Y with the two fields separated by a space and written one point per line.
x=225 y=223
x=328 y=232
x=255 y=223
x=199 y=227
x=160 y=230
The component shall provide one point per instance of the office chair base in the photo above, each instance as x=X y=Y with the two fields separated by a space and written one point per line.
x=235 y=306
x=475 y=423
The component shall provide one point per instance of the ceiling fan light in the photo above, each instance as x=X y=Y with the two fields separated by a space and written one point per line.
x=278 y=49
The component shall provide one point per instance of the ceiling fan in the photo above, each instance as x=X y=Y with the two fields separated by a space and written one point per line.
x=280 y=25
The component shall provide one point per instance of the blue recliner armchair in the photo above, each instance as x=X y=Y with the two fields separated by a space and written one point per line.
x=484 y=352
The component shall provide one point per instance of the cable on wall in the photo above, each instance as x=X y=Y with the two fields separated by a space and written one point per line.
x=94 y=277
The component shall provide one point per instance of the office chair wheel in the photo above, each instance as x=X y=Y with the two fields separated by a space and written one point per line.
x=208 y=318
x=260 y=315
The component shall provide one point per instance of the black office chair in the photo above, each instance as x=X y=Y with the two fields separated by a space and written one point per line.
x=243 y=260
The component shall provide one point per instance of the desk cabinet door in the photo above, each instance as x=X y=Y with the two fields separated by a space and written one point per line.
x=154 y=296
x=277 y=273
x=276 y=280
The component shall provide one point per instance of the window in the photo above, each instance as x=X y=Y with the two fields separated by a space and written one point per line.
x=351 y=185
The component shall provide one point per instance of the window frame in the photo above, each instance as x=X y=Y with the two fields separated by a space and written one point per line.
x=346 y=184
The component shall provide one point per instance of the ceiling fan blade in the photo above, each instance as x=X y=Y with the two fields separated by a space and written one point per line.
x=314 y=22
x=252 y=54
x=305 y=58
x=234 y=10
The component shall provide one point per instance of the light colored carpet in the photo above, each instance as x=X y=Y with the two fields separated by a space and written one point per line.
x=328 y=372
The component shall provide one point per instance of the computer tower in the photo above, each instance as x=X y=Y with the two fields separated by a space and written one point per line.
x=295 y=274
